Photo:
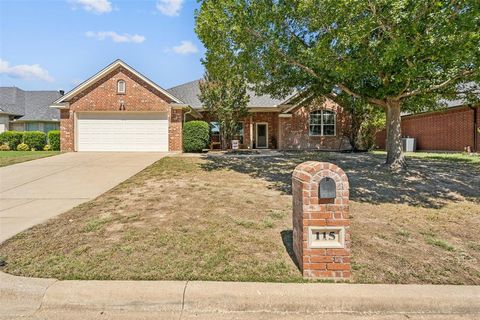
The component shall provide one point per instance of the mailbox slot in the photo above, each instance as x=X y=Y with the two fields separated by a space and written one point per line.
x=327 y=190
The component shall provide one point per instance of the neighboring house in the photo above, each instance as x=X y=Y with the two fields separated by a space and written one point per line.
x=454 y=128
x=22 y=110
x=119 y=109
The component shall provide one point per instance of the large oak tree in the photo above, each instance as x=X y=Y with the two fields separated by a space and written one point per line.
x=393 y=54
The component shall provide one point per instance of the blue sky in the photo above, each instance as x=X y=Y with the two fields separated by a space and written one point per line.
x=55 y=44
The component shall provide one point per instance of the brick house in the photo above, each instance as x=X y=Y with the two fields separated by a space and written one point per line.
x=119 y=109
x=454 y=128
x=23 y=110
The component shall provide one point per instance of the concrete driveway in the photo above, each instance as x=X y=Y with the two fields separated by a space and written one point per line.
x=34 y=191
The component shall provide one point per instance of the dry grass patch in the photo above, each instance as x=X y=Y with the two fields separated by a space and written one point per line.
x=229 y=218
x=173 y=220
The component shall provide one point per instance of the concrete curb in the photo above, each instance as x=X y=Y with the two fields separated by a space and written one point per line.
x=21 y=296
x=331 y=297
x=112 y=295
x=28 y=295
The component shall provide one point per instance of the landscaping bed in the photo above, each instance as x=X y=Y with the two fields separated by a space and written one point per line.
x=12 y=157
x=227 y=218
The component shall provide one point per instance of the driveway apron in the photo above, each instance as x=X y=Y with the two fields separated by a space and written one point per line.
x=35 y=191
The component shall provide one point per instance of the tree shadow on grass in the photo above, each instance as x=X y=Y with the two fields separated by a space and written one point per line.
x=427 y=182
x=287 y=239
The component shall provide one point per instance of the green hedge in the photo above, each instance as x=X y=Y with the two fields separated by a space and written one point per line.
x=196 y=136
x=12 y=138
x=35 y=139
x=54 y=139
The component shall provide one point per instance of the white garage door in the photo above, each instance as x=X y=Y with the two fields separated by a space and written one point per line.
x=122 y=132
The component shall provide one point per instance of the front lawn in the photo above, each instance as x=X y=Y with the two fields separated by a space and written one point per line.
x=12 y=157
x=229 y=218
x=444 y=156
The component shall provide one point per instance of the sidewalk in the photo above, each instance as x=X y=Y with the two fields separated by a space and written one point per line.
x=32 y=298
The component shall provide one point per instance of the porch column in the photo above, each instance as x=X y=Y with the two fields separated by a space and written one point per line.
x=251 y=132
x=279 y=139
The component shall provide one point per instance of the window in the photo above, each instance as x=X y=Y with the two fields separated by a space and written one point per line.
x=121 y=87
x=322 y=123
x=49 y=126
x=215 y=131
x=33 y=126
x=42 y=126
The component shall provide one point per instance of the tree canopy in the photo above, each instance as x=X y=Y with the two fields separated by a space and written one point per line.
x=394 y=54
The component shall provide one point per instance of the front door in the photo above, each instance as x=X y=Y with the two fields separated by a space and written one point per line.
x=262 y=135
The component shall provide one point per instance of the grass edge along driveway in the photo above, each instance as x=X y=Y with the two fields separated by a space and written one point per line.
x=8 y=158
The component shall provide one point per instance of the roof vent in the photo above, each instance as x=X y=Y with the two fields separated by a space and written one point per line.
x=62 y=92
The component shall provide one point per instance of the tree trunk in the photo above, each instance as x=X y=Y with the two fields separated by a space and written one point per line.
x=395 y=156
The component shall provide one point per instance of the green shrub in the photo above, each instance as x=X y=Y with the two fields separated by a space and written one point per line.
x=4 y=147
x=47 y=148
x=54 y=139
x=12 y=138
x=196 y=136
x=23 y=147
x=35 y=139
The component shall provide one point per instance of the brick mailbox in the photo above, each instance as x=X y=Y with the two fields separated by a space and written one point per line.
x=321 y=237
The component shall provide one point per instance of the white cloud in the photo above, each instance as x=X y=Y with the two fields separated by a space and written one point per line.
x=185 y=47
x=115 y=37
x=170 y=7
x=95 y=6
x=24 y=71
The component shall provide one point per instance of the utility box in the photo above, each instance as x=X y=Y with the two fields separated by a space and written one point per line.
x=409 y=144
x=321 y=234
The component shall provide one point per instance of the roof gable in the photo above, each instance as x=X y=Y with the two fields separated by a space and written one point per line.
x=111 y=67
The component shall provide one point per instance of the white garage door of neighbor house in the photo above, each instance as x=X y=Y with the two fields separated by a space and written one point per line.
x=122 y=132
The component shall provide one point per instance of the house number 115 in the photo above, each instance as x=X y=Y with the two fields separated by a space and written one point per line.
x=326 y=235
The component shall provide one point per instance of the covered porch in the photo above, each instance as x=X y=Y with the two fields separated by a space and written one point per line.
x=259 y=130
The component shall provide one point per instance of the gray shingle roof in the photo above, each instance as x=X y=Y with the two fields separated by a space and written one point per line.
x=461 y=100
x=188 y=93
x=29 y=105
x=12 y=101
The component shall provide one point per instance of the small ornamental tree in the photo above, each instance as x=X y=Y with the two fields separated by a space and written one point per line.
x=394 y=54
x=225 y=98
x=196 y=136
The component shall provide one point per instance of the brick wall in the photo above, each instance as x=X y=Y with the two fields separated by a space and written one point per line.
x=102 y=96
x=449 y=130
x=308 y=211
x=67 y=130
x=294 y=131
x=175 y=132
x=477 y=133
